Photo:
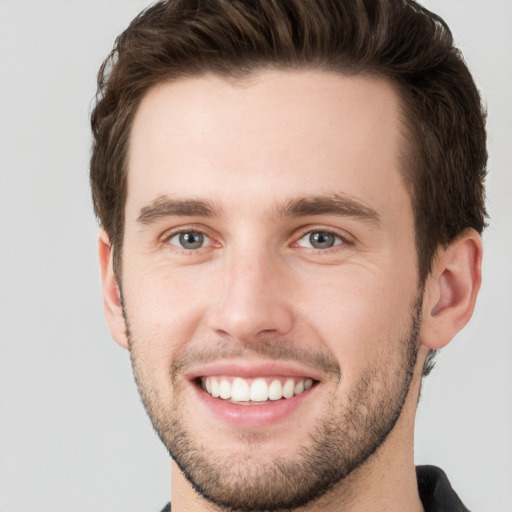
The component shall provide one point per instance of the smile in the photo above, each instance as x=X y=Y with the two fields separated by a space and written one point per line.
x=255 y=390
x=254 y=395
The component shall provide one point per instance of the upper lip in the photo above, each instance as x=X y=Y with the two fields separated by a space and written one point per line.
x=248 y=370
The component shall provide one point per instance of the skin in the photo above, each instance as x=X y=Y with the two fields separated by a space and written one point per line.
x=246 y=150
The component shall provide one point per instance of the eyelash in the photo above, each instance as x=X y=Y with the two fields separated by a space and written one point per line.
x=342 y=239
x=166 y=239
x=338 y=239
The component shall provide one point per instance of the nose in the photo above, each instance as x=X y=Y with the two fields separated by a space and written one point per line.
x=254 y=301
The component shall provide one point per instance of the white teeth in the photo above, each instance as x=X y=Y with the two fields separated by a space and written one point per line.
x=288 y=388
x=259 y=391
x=225 y=389
x=215 y=388
x=240 y=390
x=275 y=390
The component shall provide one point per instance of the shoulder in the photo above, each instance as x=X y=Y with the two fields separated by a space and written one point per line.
x=436 y=492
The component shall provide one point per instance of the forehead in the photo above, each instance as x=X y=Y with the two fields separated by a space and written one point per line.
x=273 y=134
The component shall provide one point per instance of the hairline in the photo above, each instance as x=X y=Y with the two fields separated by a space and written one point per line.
x=407 y=151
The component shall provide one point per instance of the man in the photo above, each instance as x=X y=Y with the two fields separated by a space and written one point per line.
x=291 y=200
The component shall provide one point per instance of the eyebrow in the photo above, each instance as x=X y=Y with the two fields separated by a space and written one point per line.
x=332 y=204
x=165 y=206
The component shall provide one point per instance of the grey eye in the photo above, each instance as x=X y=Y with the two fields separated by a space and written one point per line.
x=319 y=240
x=188 y=240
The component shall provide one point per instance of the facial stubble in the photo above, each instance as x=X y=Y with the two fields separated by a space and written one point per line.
x=340 y=441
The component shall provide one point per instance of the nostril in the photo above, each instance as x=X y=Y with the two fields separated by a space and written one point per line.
x=249 y=324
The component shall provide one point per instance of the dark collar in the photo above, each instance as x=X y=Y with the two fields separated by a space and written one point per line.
x=436 y=493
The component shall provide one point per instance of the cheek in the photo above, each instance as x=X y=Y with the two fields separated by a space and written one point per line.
x=164 y=311
x=361 y=314
x=161 y=295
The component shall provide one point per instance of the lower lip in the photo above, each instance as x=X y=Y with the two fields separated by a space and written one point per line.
x=252 y=416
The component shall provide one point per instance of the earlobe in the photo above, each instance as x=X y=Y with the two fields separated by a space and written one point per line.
x=451 y=290
x=111 y=293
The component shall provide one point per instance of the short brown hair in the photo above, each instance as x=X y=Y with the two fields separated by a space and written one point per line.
x=443 y=116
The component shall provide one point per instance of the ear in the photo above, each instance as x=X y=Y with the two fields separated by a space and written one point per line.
x=451 y=290
x=111 y=293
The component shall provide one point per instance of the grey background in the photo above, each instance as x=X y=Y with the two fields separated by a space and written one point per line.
x=73 y=436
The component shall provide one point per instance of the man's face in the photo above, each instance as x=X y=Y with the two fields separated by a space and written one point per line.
x=269 y=250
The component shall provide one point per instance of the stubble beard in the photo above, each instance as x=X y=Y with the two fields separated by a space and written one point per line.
x=341 y=440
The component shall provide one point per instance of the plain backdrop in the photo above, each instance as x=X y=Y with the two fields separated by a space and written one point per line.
x=73 y=435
